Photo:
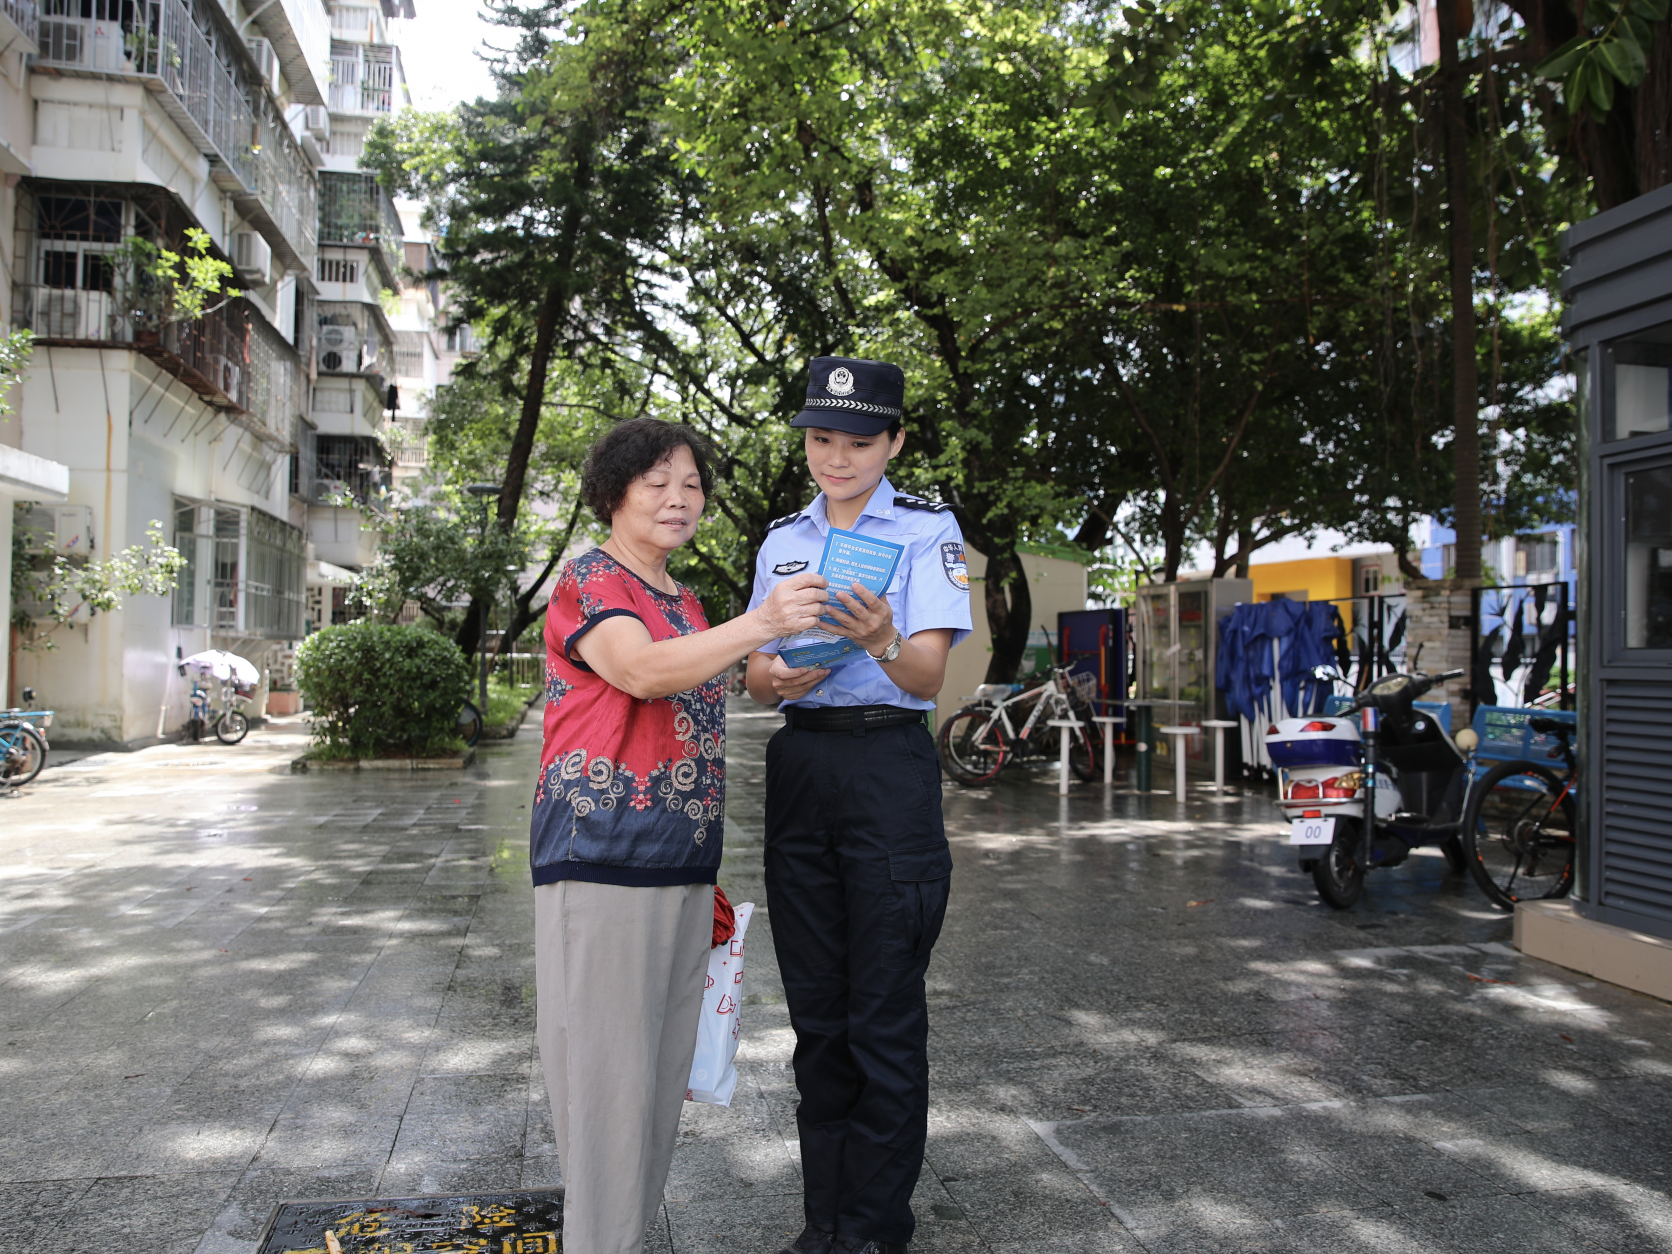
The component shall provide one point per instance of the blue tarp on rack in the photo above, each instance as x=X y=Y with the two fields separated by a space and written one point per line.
x=1307 y=634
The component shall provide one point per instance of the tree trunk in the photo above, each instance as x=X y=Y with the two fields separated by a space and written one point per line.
x=523 y=613
x=1465 y=381
x=1009 y=613
x=534 y=400
x=1172 y=537
x=522 y=444
x=1652 y=101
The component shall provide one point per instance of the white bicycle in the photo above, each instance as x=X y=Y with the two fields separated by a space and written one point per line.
x=981 y=739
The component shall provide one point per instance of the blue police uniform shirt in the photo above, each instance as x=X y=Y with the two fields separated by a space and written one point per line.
x=930 y=589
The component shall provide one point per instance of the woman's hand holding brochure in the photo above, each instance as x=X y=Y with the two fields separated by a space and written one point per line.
x=855 y=620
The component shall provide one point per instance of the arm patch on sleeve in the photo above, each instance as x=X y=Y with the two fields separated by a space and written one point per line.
x=953 y=565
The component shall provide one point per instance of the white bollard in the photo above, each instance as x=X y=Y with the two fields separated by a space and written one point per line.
x=1178 y=734
x=1109 y=721
x=1063 y=726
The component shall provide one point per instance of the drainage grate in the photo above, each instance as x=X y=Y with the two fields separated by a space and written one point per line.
x=501 y=1223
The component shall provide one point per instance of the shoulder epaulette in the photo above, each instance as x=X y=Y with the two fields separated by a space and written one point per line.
x=917 y=502
x=785 y=521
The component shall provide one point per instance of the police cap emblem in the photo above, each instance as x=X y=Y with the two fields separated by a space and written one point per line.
x=852 y=394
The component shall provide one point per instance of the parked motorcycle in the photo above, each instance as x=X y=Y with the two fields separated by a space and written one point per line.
x=1392 y=763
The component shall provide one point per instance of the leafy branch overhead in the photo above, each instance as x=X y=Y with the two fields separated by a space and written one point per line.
x=1173 y=278
x=159 y=286
x=1611 y=49
x=62 y=590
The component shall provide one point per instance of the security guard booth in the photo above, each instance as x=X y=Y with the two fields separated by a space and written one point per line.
x=1618 y=322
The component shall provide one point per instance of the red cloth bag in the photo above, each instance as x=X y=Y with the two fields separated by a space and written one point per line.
x=725 y=918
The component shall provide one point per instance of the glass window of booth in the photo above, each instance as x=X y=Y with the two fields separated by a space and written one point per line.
x=1637 y=384
x=1648 y=590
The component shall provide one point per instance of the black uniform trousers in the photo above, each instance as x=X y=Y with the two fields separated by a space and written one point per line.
x=857 y=874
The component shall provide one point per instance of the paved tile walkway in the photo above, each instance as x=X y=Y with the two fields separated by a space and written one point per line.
x=222 y=985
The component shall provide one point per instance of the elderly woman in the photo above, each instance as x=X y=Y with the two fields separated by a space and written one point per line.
x=626 y=829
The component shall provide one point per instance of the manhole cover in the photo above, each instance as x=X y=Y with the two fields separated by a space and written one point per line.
x=490 y=1223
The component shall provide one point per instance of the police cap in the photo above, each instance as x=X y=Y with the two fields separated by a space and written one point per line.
x=853 y=395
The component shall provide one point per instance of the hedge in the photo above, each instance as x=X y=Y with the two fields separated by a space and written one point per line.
x=379 y=690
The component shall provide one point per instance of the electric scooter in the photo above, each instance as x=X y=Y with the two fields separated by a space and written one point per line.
x=1361 y=792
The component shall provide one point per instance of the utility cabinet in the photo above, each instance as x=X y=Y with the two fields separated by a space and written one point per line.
x=1177 y=631
x=1093 y=642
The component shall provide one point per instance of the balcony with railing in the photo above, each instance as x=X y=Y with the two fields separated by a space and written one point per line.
x=359 y=21
x=367 y=78
x=355 y=210
x=201 y=75
x=243 y=573
x=25 y=15
x=349 y=466
x=77 y=288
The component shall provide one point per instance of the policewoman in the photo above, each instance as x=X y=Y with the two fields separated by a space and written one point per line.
x=857 y=864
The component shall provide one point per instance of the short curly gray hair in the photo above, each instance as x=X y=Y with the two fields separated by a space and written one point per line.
x=633 y=448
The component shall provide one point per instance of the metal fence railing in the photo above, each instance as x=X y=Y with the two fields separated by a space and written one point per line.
x=229 y=356
x=1523 y=645
x=526 y=669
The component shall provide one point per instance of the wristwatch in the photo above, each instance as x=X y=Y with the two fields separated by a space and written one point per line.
x=890 y=653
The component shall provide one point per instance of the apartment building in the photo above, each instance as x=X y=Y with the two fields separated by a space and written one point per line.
x=256 y=431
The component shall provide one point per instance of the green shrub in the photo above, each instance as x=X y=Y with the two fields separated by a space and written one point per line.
x=506 y=702
x=378 y=689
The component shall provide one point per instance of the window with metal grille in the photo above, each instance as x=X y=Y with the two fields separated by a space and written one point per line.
x=274 y=590
x=1537 y=555
x=339 y=270
x=409 y=354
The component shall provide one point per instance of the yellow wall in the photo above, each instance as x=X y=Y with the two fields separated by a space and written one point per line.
x=1312 y=579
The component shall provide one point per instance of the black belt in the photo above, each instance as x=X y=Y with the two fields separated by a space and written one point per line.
x=857 y=719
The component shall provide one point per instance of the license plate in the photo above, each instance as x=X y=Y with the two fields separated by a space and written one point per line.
x=1311 y=831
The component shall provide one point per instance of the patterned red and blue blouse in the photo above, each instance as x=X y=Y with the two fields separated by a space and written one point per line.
x=631 y=791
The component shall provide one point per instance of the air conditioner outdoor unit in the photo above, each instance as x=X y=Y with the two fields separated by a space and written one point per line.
x=252 y=257
x=266 y=59
x=318 y=122
x=56 y=530
x=338 y=348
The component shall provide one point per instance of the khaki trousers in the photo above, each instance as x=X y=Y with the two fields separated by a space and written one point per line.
x=619 y=974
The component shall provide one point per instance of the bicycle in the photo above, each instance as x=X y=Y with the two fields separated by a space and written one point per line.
x=23 y=743
x=981 y=739
x=469 y=723
x=228 y=722
x=1519 y=826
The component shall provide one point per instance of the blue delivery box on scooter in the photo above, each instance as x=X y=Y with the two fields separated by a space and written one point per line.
x=1295 y=743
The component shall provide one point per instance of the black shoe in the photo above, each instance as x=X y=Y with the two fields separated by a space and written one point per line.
x=868 y=1247
x=812 y=1241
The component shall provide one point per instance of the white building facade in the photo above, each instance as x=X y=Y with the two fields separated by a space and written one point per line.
x=244 y=431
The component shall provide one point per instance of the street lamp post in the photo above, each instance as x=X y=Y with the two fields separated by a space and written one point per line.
x=508 y=643
x=482 y=492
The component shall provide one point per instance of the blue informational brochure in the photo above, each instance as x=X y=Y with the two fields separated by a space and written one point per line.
x=849 y=558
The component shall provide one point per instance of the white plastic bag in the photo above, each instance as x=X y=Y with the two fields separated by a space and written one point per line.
x=713 y=1066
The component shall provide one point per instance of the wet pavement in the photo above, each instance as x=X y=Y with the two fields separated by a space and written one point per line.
x=222 y=985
